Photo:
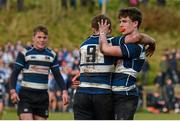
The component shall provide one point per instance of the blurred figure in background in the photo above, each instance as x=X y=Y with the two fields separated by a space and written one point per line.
x=144 y=72
x=169 y=94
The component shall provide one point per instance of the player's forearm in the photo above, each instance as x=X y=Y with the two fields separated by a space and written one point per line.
x=59 y=79
x=14 y=77
x=146 y=39
x=104 y=45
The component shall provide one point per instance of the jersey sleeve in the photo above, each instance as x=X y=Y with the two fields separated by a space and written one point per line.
x=17 y=67
x=57 y=75
x=131 y=50
x=20 y=60
x=55 y=63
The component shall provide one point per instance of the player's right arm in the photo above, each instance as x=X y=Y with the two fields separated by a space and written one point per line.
x=138 y=38
x=17 y=67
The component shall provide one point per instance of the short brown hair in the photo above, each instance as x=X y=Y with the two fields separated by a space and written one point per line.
x=98 y=18
x=133 y=13
x=40 y=29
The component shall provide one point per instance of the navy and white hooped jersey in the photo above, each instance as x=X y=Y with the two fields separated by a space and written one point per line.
x=35 y=66
x=124 y=77
x=95 y=68
x=1 y=88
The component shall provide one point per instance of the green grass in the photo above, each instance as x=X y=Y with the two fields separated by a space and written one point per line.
x=10 y=114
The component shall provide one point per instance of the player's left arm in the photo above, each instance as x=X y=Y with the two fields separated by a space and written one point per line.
x=147 y=40
x=60 y=81
x=142 y=38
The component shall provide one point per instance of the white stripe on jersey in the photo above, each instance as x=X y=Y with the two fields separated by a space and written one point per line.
x=95 y=85
x=40 y=58
x=99 y=56
x=34 y=85
x=124 y=70
x=19 y=64
x=96 y=68
x=37 y=69
x=123 y=88
x=45 y=72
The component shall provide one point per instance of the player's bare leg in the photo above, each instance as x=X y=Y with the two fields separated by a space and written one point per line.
x=36 y=117
x=26 y=116
x=1 y=110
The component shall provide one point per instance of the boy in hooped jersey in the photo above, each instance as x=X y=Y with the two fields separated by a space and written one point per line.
x=35 y=62
x=92 y=100
x=131 y=59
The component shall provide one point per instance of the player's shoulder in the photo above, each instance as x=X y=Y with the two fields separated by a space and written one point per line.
x=51 y=51
x=92 y=39
x=26 y=49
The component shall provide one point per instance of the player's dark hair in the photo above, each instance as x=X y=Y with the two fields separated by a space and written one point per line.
x=98 y=18
x=133 y=13
x=40 y=29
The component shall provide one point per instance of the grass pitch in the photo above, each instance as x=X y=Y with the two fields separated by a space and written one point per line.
x=10 y=114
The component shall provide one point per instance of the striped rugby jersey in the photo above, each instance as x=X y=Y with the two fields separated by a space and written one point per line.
x=35 y=65
x=124 y=77
x=95 y=68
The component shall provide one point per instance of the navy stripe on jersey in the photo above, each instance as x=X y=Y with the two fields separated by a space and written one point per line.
x=36 y=78
x=90 y=90
x=95 y=68
x=124 y=77
x=98 y=79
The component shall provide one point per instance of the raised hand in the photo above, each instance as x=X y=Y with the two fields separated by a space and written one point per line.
x=103 y=27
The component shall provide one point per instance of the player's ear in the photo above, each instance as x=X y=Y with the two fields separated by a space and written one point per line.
x=33 y=38
x=135 y=24
x=110 y=30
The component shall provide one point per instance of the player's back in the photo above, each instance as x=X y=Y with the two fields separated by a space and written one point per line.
x=95 y=68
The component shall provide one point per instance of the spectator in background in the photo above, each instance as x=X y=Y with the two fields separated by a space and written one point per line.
x=20 y=5
x=172 y=65
x=140 y=88
x=178 y=64
x=88 y=4
x=161 y=2
x=156 y=104
x=169 y=94
x=73 y=4
x=164 y=66
x=64 y=4
x=52 y=93
x=144 y=72
x=177 y=103
x=100 y=3
x=144 y=2
x=2 y=82
x=2 y=3
x=133 y=2
x=159 y=82
x=83 y=3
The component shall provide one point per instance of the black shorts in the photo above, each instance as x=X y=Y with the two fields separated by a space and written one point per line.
x=35 y=102
x=124 y=106
x=93 y=106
